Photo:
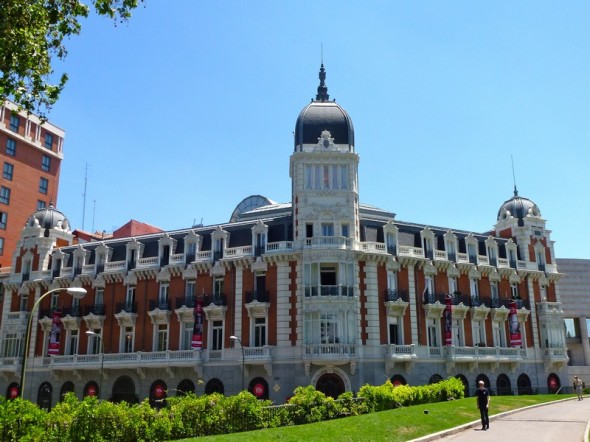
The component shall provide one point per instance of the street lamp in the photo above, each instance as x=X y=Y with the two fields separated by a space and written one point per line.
x=234 y=339
x=77 y=293
x=96 y=335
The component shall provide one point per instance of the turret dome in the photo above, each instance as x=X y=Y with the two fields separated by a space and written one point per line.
x=322 y=115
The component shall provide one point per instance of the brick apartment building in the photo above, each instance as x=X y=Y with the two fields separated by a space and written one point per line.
x=31 y=155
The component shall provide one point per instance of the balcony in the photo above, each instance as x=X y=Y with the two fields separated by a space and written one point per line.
x=161 y=304
x=258 y=296
x=328 y=242
x=329 y=353
x=127 y=307
x=392 y=295
x=214 y=299
x=96 y=309
x=329 y=290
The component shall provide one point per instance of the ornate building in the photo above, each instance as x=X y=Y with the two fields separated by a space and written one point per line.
x=322 y=290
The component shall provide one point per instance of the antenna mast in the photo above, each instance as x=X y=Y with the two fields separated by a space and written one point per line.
x=513 y=176
x=84 y=195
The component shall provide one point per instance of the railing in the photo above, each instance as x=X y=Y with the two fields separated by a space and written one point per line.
x=281 y=246
x=396 y=351
x=396 y=295
x=260 y=296
x=17 y=316
x=462 y=257
x=162 y=304
x=440 y=255
x=431 y=298
x=236 y=252
x=214 y=298
x=257 y=353
x=88 y=269
x=96 y=309
x=187 y=301
x=340 y=242
x=114 y=266
x=329 y=290
x=411 y=251
x=152 y=261
x=330 y=350
x=123 y=359
x=204 y=256
x=370 y=246
x=127 y=307
x=512 y=353
x=177 y=258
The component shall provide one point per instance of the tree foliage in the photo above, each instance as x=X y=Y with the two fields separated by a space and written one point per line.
x=32 y=36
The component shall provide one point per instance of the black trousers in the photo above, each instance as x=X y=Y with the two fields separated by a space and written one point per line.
x=485 y=420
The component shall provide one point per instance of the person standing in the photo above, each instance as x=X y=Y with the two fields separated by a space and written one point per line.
x=483 y=403
x=579 y=387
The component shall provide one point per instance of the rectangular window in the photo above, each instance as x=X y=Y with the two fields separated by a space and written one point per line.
x=572 y=327
x=317 y=181
x=10 y=147
x=259 y=332
x=334 y=177
x=478 y=331
x=7 y=171
x=14 y=123
x=162 y=339
x=186 y=335
x=49 y=141
x=99 y=296
x=46 y=163
x=3 y=220
x=54 y=301
x=514 y=291
x=344 y=177
x=164 y=286
x=41 y=205
x=308 y=177
x=217 y=335
x=1 y=246
x=394 y=332
x=128 y=340
x=345 y=232
x=95 y=342
x=309 y=230
x=432 y=333
x=189 y=291
x=72 y=343
x=4 y=195
x=327 y=229
x=43 y=185
x=11 y=347
x=494 y=289
x=326 y=172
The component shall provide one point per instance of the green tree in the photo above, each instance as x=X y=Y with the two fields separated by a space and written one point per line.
x=32 y=35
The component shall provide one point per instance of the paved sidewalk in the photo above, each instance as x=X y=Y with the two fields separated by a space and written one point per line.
x=565 y=421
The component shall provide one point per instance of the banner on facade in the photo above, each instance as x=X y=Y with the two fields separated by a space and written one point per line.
x=197 y=341
x=448 y=313
x=515 y=338
x=55 y=333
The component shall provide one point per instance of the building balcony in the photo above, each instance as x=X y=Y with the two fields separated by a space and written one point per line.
x=258 y=296
x=328 y=242
x=329 y=353
x=392 y=295
x=95 y=309
x=127 y=307
x=161 y=304
x=329 y=290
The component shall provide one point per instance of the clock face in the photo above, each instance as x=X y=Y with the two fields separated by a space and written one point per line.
x=326 y=143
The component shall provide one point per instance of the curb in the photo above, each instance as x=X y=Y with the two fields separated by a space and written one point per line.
x=477 y=423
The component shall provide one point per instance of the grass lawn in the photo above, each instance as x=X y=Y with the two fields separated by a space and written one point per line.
x=401 y=424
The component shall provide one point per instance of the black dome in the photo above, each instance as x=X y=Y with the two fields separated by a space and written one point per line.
x=323 y=115
x=518 y=207
x=49 y=218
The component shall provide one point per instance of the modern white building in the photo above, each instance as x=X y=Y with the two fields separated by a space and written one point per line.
x=321 y=290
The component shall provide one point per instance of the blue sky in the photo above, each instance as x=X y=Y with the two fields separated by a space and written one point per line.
x=191 y=106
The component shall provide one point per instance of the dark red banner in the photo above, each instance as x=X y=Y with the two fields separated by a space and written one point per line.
x=197 y=341
x=55 y=334
x=448 y=320
x=515 y=338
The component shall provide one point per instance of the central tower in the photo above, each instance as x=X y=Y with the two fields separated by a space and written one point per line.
x=324 y=171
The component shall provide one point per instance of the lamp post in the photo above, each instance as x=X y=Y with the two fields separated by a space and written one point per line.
x=76 y=292
x=96 y=335
x=234 y=339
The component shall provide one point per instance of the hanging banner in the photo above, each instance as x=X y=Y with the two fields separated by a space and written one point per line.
x=515 y=338
x=197 y=341
x=55 y=333
x=448 y=320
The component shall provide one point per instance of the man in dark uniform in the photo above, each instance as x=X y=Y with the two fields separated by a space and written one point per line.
x=483 y=403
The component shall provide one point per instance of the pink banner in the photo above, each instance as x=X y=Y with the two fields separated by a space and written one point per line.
x=197 y=341
x=55 y=333
x=448 y=320
x=515 y=338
